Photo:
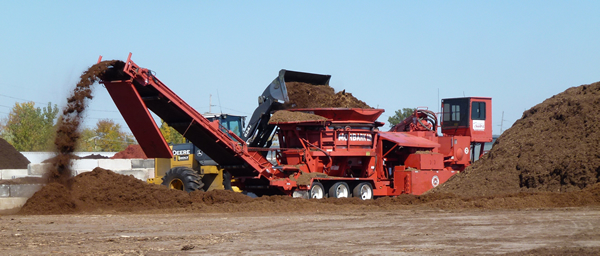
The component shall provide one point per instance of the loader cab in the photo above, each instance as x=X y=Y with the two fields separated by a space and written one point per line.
x=189 y=155
x=233 y=123
x=468 y=116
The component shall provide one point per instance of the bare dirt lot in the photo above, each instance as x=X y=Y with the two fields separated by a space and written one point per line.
x=563 y=231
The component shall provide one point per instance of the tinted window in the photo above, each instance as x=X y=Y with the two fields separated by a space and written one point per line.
x=234 y=126
x=478 y=110
x=456 y=112
x=446 y=112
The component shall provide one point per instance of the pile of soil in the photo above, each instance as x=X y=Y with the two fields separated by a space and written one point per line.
x=10 y=158
x=555 y=146
x=132 y=151
x=304 y=95
x=67 y=132
x=283 y=116
x=94 y=156
x=103 y=190
x=75 y=157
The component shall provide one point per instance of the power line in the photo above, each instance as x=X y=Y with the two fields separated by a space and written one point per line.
x=26 y=100
x=15 y=98
x=235 y=110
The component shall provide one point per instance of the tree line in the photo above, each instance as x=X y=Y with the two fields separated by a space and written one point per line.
x=31 y=128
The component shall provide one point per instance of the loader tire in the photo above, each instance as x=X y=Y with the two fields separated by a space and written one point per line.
x=227 y=180
x=183 y=178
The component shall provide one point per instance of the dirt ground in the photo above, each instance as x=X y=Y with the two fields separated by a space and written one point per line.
x=566 y=231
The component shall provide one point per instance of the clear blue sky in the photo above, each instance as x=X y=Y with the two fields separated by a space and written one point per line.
x=390 y=54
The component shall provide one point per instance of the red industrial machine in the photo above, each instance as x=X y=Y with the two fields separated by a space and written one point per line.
x=344 y=155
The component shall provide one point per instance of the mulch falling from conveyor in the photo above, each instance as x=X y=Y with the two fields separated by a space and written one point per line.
x=68 y=133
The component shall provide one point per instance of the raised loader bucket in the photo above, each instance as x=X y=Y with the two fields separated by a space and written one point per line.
x=271 y=99
x=278 y=91
x=310 y=78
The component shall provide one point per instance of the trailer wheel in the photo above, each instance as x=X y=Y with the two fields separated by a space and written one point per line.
x=364 y=191
x=317 y=191
x=182 y=178
x=339 y=190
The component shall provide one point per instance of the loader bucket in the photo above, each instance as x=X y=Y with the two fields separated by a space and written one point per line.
x=310 y=78
x=278 y=91
x=271 y=99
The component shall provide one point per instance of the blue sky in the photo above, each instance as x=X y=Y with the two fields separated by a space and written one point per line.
x=390 y=54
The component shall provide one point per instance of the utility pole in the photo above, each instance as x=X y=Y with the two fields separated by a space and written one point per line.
x=501 y=122
x=210 y=105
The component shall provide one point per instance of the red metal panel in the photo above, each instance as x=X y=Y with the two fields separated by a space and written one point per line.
x=138 y=119
x=432 y=161
x=422 y=181
x=408 y=140
x=481 y=130
x=350 y=115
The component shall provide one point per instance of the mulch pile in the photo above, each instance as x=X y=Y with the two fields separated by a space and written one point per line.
x=94 y=156
x=283 y=116
x=555 y=147
x=304 y=95
x=132 y=151
x=10 y=158
x=103 y=191
x=74 y=157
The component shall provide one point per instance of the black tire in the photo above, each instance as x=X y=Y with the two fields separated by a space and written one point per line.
x=363 y=190
x=227 y=181
x=183 y=178
x=339 y=190
x=250 y=194
x=316 y=191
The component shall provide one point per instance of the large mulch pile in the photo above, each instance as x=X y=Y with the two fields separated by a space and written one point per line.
x=132 y=151
x=10 y=158
x=103 y=191
x=554 y=147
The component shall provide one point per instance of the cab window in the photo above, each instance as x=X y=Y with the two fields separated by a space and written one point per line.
x=234 y=126
x=478 y=110
x=451 y=112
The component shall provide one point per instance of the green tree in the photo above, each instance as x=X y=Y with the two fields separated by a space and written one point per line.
x=107 y=136
x=87 y=140
x=170 y=134
x=400 y=115
x=28 y=128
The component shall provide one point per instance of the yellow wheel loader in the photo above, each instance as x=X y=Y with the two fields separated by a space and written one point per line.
x=190 y=169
